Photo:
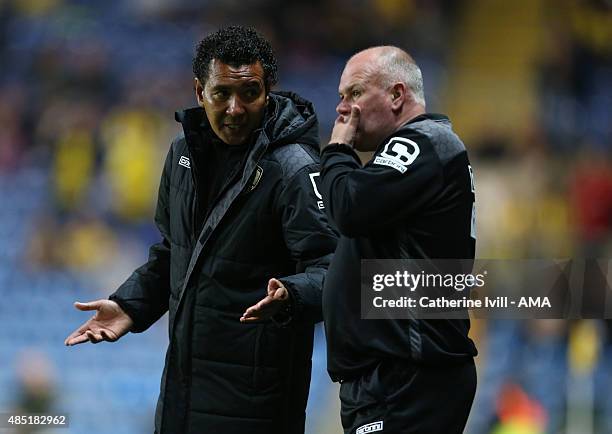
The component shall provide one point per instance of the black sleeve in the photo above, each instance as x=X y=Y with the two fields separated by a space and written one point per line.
x=403 y=176
x=144 y=296
x=310 y=241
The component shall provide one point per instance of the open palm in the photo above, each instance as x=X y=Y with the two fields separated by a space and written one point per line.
x=108 y=324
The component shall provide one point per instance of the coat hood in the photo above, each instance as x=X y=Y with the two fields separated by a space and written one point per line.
x=293 y=119
x=289 y=119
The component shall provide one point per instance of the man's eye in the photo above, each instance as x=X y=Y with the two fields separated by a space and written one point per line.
x=252 y=93
x=355 y=93
x=220 y=94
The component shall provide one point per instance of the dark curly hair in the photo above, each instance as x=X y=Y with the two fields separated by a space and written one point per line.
x=235 y=46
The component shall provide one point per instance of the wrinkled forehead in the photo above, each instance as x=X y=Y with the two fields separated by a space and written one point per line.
x=221 y=72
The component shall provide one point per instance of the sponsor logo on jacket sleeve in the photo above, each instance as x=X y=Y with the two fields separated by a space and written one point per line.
x=371 y=427
x=316 y=189
x=184 y=161
x=398 y=153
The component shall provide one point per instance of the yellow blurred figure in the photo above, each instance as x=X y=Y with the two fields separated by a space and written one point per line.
x=518 y=427
x=583 y=346
x=36 y=7
x=73 y=167
x=592 y=26
x=86 y=236
x=395 y=11
x=132 y=162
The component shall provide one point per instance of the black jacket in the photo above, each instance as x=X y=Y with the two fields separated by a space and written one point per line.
x=413 y=200
x=222 y=376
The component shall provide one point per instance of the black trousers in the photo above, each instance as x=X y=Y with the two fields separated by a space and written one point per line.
x=402 y=398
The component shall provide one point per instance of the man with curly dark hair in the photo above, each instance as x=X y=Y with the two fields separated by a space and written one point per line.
x=236 y=46
x=244 y=250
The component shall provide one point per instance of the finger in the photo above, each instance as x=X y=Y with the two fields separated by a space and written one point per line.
x=94 y=338
x=253 y=310
x=281 y=293
x=250 y=320
x=76 y=340
x=355 y=115
x=107 y=336
x=78 y=331
x=259 y=308
x=263 y=303
x=342 y=119
x=273 y=286
x=92 y=305
x=250 y=311
x=274 y=283
x=70 y=337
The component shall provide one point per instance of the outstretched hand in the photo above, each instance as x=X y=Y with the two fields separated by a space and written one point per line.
x=108 y=324
x=345 y=127
x=268 y=306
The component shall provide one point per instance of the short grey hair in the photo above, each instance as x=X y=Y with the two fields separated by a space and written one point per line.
x=398 y=66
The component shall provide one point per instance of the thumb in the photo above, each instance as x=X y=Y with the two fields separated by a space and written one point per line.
x=274 y=284
x=92 y=305
x=355 y=114
x=281 y=294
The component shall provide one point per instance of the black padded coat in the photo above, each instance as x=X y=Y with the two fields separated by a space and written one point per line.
x=222 y=376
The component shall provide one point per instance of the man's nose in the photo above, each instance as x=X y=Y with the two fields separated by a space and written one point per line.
x=235 y=106
x=343 y=108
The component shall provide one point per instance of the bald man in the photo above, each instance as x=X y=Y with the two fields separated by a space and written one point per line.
x=413 y=200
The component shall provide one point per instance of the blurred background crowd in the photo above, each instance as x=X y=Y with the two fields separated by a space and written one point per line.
x=88 y=90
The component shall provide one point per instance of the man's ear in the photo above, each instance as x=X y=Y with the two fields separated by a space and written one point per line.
x=399 y=94
x=199 y=90
x=267 y=91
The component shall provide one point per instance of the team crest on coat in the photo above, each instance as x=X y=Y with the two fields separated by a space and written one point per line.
x=255 y=178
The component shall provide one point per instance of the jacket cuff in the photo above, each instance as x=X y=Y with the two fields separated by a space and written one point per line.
x=138 y=325
x=291 y=310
